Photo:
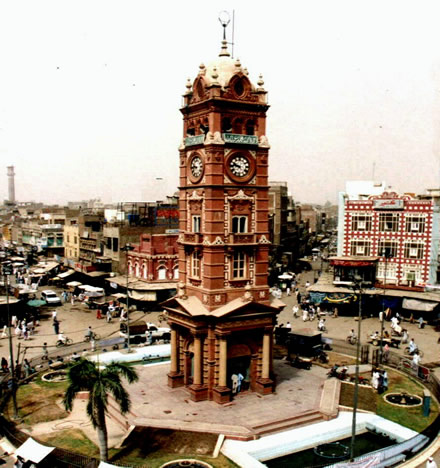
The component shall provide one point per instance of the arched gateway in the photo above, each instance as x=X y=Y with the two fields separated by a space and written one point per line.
x=222 y=318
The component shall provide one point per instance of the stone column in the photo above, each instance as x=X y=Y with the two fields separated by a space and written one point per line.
x=175 y=376
x=197 y=378
x=223 y=362
x=174 y=352
x=266 y=355
x=264 y=384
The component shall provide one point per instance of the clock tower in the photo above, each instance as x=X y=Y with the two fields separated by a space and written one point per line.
x=222 y=317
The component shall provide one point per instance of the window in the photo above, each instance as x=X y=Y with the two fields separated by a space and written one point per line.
x=413 y=250
x=176 y=273
x=162 y=273
x=415 y=224
x=388 y=222
x=361 y=222
x=239 y=265
x=239 y=224
x=75 y=240
x=360 y=248
x=68 y=239
x=387 y=248
x=195 y=264
x=196 y=223
x=115 y=244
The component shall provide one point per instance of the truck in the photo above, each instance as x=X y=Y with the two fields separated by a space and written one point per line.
x=140 y=329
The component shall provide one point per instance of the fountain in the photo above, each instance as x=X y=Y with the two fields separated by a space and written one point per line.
x=403 y=399
x=332 y=450
x=54 y=376
x=188 y=463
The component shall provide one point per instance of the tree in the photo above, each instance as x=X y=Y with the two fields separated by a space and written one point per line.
x=85 y=375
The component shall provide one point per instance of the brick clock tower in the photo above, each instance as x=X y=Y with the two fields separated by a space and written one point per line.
x=222 y=318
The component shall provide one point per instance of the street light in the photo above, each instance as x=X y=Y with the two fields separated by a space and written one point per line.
x=6 y=272
x=356 y=285
x=127 y=248
x=386 y=254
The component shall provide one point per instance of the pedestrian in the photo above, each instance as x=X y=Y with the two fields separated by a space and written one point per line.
x=385 y=379
x=27 y=368
x=288 y=290
x=56 y=326
x=430 y=463
x=72 y=299
x=109 y=316
x=149 y=337
x=5 y=367
x=234 y=378
x=415 y=361
x=88 y=335
x=375 y=379
x=240 y=379
x=307 y=284
x=305 y=315
x=295 y=310
x=54 y=314
x=288 y=325
x=386 y=352
x=381 y=316
x=421 y=322
x=335 y=312
x=14 y=321
x=45 y=352
x=5 y=332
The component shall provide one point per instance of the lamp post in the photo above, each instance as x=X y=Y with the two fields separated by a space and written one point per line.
x=127 y=248
x=6 y=271
x=356 y=285
x=386 y=256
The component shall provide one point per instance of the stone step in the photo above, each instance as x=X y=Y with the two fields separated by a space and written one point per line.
x=288 y=423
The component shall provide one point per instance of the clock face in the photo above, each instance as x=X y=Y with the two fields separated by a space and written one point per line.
x=196 y=166
x=239 y=166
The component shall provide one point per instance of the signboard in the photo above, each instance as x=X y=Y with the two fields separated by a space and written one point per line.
x=7 y=269
x=194 y=140
x=240 y=139
x=388 y=204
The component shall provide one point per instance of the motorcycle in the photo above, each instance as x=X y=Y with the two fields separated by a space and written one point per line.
x=338 y=372
x=301 y=363
x=66 y=342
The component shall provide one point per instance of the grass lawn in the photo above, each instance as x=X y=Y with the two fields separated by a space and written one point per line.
x=408 y=417
x=36 y=402
x=73 y=440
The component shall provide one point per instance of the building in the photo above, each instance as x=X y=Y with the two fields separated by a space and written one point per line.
x=401 y=230
x=222 y=318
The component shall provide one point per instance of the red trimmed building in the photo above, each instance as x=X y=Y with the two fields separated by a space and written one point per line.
x=400 y=230
x=222 y=319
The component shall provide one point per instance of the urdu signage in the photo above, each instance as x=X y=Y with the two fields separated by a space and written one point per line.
x=240 y=139
x=388 y=204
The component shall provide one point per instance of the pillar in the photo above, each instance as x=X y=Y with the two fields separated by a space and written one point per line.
x=175 y=377
x=264 y=384
x=198 y=390
x=222 y=394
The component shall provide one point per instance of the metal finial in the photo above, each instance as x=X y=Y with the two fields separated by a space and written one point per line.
x=224 y=19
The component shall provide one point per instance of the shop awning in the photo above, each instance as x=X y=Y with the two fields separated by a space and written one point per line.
x=416 y=304
x=66 y=274
x=73 y=284
x=142 y=296
x=32 y=450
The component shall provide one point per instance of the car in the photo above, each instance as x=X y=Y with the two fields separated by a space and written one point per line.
x=50 y=297
x=139 y=330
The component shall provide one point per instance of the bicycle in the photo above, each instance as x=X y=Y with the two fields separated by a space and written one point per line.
x=407 y=352
x=94 y=336
x=66 y=342
x=351 y=339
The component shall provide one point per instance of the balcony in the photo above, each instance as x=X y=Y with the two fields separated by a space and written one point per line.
x=193 y=238
x=242 y=238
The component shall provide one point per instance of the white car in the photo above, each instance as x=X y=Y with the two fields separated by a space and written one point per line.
x=50 y=297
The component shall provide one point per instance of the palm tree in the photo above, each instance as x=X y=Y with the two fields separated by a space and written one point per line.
x=85 y=375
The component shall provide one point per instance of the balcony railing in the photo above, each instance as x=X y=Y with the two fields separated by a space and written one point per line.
x=193 y=237
x=242 y=238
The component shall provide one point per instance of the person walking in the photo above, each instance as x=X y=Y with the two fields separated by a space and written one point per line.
x=295 y=310
x=430 y=463
x=56 y=326
x=45 y=352
x=109 y=316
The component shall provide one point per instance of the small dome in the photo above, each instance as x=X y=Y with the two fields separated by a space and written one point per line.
x=223 y=68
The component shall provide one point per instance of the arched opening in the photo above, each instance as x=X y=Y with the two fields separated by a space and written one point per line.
x=226 y=125
x=239 y=367
x=250 y=127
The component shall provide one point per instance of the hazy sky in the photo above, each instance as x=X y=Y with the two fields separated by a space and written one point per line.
x=90 y=92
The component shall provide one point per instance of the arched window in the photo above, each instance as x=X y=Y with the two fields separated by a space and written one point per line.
x=145 y=271
x=239 y=224
x=137 y=270
x=226 y=125
x=162 y=273
x=250 y=127
x=176 y=272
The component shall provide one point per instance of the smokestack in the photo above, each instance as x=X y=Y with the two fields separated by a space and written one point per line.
x=11 y=185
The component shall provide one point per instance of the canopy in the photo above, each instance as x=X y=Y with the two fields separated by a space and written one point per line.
x=285 y=276
x=416 y=304
x=32 y=450
x=143 y=296
x=66 y=274
x=36 y=303
x=73 y=284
